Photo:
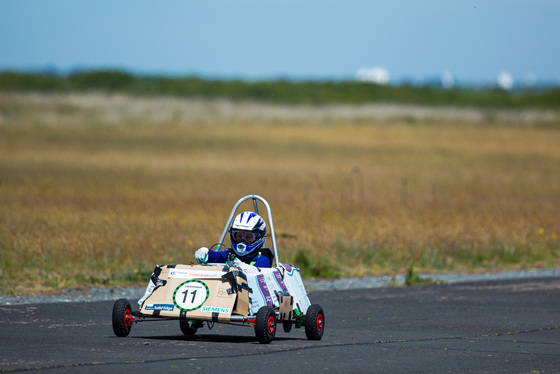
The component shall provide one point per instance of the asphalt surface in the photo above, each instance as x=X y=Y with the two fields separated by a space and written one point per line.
x=495 y=327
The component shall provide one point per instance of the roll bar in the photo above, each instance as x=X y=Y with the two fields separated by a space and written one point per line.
x=256 y=199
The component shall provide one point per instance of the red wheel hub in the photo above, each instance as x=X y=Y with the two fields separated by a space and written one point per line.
x=320 y=322
x=128 y=319
x=271 y=325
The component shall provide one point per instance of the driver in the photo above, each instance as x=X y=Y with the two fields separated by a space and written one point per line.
x=247 y=234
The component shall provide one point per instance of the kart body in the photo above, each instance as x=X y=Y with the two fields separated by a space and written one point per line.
x=233 y=293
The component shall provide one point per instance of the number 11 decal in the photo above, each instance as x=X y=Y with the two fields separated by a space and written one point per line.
x=194 y=292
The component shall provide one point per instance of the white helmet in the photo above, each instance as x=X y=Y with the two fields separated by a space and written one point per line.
x=247 y=233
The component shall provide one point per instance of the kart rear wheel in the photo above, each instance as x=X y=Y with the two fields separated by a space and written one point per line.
x=287 y=326
x=187 y=327
x=314 y=322
x=122 y=322
x=265 y=325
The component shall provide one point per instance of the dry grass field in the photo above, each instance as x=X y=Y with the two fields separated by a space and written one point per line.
x=98 y=189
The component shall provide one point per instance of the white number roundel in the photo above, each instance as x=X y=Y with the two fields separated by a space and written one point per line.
x=190 y=295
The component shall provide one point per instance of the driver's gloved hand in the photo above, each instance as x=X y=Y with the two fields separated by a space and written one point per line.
x=201 y=255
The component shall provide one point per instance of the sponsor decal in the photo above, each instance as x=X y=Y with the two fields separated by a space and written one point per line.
x=289 y=268
x=166 y=307
x=263 y=288
x=215 y=309
x=279 y=280
x=186 y=273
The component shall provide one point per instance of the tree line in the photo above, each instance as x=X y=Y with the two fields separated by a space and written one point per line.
x=278 y=91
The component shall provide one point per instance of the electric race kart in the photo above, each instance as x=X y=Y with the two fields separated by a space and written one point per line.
x=232 y=293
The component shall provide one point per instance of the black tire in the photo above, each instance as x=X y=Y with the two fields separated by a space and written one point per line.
x=314 y=322
x=287 y=326
x=121 y=318
x=187 y=328
x=265 y=325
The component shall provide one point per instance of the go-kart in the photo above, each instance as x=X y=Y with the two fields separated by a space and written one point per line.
x=232 y=293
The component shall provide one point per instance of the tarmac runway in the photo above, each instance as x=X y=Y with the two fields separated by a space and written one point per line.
x=484 y=327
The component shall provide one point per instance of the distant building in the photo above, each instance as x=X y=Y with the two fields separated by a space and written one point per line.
x=505 y=81
x=376 y=74
x=447 y=80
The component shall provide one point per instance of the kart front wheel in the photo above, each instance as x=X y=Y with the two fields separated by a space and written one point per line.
x=122 y=321
x=265 y=325
x=314 y=322
x=187 y=327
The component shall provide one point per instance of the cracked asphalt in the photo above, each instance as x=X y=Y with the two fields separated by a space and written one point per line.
x=483 y=327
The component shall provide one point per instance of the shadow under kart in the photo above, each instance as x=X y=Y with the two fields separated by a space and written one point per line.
x=232 y=293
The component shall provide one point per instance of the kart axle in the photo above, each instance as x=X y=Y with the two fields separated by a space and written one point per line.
x=129 y=319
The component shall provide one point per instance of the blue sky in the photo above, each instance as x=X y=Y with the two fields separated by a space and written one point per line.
x=301 y=39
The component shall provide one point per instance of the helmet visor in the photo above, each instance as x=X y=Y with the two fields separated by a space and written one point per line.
x=244 y=236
